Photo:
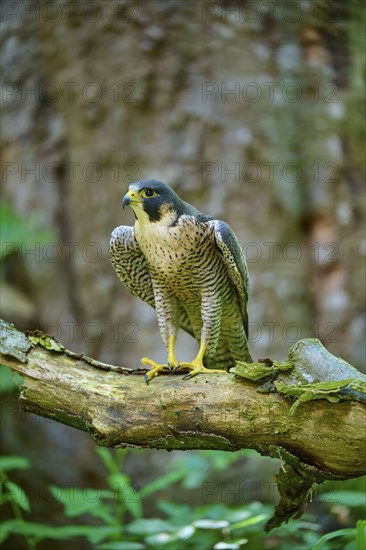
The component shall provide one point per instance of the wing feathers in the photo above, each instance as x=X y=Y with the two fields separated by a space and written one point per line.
x=235 y=262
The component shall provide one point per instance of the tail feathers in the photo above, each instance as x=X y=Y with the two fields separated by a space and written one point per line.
x=227 y=359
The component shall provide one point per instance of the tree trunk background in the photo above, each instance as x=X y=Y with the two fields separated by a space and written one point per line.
x=152 y=63
x=68 y=157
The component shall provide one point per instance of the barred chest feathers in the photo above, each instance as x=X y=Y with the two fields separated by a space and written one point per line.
x=171 y=248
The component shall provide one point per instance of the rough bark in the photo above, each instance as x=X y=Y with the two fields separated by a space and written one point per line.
x=324 y=438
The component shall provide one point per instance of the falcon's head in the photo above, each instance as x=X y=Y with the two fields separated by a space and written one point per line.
x=153 y=200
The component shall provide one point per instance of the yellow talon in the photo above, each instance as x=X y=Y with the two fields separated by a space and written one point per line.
x=156 y=367
x=196 y=366
x=197 y=369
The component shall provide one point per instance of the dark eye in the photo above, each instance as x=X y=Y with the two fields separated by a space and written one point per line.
x=148 y=193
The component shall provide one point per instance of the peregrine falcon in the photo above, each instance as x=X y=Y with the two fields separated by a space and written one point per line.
x=192 y=270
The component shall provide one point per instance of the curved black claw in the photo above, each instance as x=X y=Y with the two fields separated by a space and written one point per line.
x=176 y=368
x=146 y=378
x=187 y=376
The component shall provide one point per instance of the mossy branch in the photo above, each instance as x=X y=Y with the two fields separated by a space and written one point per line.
x=308 y=411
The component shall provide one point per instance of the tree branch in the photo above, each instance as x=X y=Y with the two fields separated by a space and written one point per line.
x=322 y=438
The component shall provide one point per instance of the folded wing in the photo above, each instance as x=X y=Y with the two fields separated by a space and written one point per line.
x=236 y=265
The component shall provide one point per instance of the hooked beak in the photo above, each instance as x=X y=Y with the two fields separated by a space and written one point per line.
x=130 y=198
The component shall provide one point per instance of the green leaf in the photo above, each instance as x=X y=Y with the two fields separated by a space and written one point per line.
x=121 y=545
x=175 y=510
x=250 y=521
x=76 y=501
x=333 y=535
x=95 y=534
x=149 y=526
x=233 y=516
x=230 y=545
x=13 y=462
x=108 y=460
x=161 y=483
x=17 y=495
x=257 y=370
x=117 y=481
x=163 y=538
x=125 y=493
x=120 y=457
x=160 y=539
x=185 y=532
x=210 y=524
x=241 y=542
x=134 y=507
x=106 y=513
x=361 y=534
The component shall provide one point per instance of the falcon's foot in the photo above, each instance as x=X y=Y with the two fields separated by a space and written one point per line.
x=155 y=368
x=196 y=367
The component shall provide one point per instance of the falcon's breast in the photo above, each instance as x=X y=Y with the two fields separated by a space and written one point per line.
x=180 y=254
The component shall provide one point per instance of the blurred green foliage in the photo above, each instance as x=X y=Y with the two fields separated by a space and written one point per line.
x=17 y=232
x=118 y=512
x=9 y=380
